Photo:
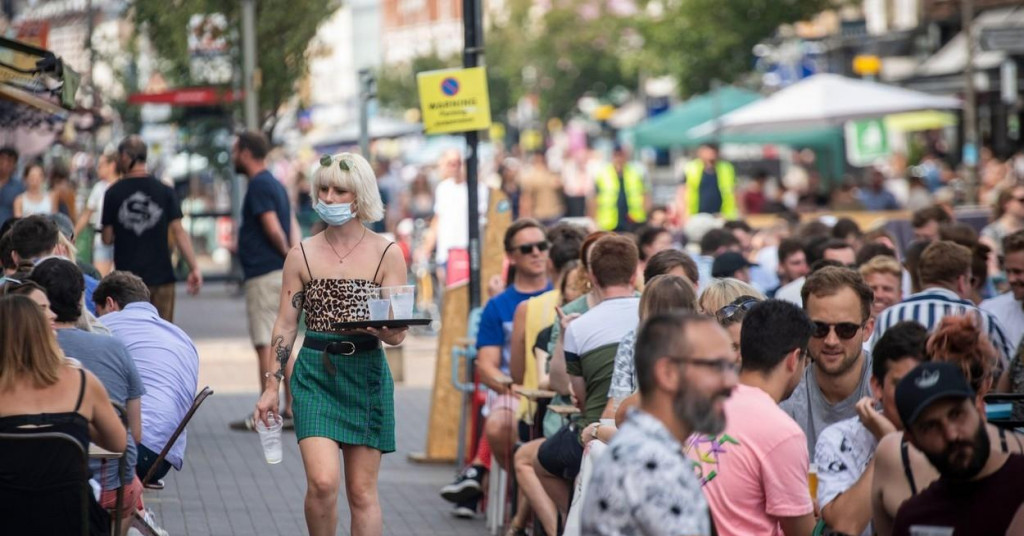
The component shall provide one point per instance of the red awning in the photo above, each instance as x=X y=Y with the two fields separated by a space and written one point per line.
x=192 y=96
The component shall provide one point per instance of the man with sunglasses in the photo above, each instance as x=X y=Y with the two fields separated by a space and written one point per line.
x=754 y=473
x=838 y=301
x=527 y=248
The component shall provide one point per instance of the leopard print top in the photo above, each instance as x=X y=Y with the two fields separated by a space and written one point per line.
x=329 y=301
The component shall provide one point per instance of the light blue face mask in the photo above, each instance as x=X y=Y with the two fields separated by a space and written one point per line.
x=334 y=214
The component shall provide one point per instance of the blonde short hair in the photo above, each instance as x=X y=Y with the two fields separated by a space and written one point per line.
x=882 y=264
x=722 y=292
x=357 y=177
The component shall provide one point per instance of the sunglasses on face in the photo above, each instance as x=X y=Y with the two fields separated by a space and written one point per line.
x=844 y=330
x=526 y=249
x=1019 y=199
x=729 y=311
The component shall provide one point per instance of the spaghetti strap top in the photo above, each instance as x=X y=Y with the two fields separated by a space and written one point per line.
x=329 y=301
x=905 y=456
x=71 y=423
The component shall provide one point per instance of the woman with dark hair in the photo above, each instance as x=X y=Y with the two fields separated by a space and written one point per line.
x=42 y=390
x=1007 y=218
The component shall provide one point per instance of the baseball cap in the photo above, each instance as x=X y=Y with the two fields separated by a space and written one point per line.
x=727 y=263
x=926 y=384
x=67 y=228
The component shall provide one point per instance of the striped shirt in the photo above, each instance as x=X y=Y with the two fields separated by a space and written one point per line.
x=931 y=305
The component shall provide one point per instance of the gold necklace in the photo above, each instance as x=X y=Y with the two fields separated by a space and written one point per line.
x=341 y=260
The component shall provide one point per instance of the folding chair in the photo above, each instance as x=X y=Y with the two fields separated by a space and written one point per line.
x=44 y=484
x=196 y=402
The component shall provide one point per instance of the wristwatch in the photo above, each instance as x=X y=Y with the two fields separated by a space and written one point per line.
x=593 y=431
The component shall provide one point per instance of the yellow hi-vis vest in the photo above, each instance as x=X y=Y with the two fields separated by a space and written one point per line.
x=608 y=196
x=726 y=184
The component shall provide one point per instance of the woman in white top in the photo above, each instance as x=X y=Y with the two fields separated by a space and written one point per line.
x=34 y=200
x=106 y=171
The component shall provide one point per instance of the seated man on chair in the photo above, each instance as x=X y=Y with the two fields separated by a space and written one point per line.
x=166 y=360
x=526 y=246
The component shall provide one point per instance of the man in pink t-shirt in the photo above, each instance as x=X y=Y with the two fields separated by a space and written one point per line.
x=754 y=474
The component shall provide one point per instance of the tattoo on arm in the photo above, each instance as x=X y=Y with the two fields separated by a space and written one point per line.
x=298 y=299
x=283 y=352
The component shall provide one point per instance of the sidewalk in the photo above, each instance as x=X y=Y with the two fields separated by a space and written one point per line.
x=226 y=488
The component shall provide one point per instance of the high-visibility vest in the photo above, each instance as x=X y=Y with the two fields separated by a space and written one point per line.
x=608 y=196
x=726 y=184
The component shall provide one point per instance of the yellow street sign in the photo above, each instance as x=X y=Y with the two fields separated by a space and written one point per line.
x=454 y=100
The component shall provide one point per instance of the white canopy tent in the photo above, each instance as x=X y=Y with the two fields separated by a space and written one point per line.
x=824 y=100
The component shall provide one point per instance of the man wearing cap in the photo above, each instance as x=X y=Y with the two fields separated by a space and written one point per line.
x=732 y=264
x=978 y=491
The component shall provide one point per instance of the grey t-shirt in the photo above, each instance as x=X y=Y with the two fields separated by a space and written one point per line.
x=808 y=407
x=108 y=359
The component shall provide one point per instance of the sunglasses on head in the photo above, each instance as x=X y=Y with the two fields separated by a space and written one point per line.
x=526 y=249
x=844 y=330
x=726 y=313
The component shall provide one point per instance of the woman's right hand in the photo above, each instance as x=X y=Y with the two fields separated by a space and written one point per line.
x=269 y=402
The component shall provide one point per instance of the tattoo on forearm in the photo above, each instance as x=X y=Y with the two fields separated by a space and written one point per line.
x=298 y=299
x=282 y=351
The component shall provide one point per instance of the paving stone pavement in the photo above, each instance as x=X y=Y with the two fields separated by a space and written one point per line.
x=226 y=487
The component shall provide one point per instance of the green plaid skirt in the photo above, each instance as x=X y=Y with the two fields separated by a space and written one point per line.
x=353 y=406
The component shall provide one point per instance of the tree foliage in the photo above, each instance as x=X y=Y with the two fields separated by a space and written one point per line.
x=396 y=84
x=284 y=30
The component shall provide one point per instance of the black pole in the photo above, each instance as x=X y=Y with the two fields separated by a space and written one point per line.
x=473 y=49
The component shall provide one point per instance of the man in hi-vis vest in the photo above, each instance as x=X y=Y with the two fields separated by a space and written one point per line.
x=622 y=196
x=708 y=186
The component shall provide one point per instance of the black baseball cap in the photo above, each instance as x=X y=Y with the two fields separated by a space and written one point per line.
x=926 y=384
x=728 y=263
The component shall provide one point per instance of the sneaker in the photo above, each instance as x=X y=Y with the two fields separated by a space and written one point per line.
x=465 y=510
x=468 y=486
x=150 y=520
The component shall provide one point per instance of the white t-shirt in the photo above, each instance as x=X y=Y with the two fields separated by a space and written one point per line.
x=791 y=292
x=451 y=208
x=1010 y=313
x=606 y=323
x=95 y=203
x=842 y=454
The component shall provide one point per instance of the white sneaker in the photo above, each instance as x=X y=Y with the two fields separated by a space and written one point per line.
x=150 y=519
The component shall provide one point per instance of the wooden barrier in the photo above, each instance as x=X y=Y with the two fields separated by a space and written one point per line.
x=446 y=401
x=865 y=220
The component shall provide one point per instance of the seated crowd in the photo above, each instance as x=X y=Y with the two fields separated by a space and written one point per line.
x=74 y=364
x=803 y=379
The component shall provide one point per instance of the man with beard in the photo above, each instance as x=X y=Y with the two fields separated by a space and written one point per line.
x=643 y=485
x=979 y=490
x=139 y=212
x=754 y=473
x=266 y=235
x=838 y=301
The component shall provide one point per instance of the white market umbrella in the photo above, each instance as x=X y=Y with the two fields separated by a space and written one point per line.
x=824 y=100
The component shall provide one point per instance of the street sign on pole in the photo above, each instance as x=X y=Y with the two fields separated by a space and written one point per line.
x=1008 y=39
x=454 y=100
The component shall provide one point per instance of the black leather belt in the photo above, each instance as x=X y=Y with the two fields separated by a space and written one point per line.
x=349 y=347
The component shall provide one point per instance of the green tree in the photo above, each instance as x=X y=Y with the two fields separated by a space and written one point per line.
x=284 y=30
x=698 y=41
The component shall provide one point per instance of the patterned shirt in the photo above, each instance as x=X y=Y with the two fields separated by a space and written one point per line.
x=843 y=452
x=624 y=373
x=931 y=305
x=644 y=485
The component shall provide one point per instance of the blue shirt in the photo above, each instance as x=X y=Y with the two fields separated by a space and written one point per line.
x=168 y=364
x=108 y=359
x=496 y=321
x=883 y=200
x=256 y=253
x=11 y=189
x=710 y=194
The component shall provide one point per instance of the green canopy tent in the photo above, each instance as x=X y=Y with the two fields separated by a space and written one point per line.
x=826 y=142
x=669 y=129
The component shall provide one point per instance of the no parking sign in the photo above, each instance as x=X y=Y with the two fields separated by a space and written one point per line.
x=454 y=100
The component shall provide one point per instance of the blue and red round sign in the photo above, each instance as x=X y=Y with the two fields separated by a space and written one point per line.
x=450 y=86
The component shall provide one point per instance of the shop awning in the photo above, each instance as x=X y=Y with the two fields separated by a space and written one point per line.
x=35 y=77
x=952 y=58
